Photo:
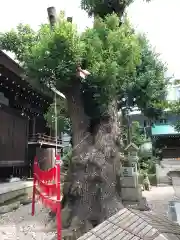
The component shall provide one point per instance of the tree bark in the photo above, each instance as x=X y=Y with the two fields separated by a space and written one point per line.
x=79 y=119
x=91 y=192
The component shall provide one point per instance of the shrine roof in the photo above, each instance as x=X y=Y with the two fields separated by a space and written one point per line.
x=18 y=72
x=135 y=225
x=131 y=146
x=9 y=63
x=159 y=130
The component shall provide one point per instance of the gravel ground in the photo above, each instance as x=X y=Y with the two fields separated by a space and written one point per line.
x=20 y=225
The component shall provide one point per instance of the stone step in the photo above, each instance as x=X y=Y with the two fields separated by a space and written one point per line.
x=170 y=163
x=9 y=191
x=163 y=184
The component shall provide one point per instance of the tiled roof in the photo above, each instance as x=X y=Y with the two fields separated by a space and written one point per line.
x=163 y=130
x=129 y=224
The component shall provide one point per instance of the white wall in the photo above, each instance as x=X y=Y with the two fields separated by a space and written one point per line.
x=173 y=92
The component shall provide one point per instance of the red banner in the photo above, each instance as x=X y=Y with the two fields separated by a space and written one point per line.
x=46 y=185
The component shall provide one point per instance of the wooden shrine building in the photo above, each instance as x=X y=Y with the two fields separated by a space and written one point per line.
x=23 y=129
x=166 y=141
x=166 y=138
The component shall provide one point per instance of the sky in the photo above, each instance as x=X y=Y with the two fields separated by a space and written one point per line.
x=158 y=19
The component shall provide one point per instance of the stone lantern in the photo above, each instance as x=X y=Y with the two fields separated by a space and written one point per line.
x=130 y=189
x=132 y=152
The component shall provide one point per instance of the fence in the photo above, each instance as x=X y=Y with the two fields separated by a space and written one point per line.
x=46 y=184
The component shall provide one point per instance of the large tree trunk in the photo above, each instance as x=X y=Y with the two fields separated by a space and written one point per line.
x=91 y=192
x=79 y=119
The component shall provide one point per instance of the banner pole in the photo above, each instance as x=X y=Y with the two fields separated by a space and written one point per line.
x=58 y=214
x=34 y=186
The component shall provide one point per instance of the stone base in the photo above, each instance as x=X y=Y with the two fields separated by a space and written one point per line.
x=129 y=182
x=131 y=194
x=141 y=205
x=9 y=191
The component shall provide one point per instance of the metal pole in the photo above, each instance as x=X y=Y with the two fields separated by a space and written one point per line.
x=129 y=128
x=128 y=121
x=55 y=113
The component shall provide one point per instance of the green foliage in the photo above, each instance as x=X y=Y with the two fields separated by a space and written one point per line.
x=138 y=137
x=122 y=63
x=177 y=126
x=111 y=54
x=175 y=109
x=137 y=134
x=146 y=89
x=47 y=56
x=102 y=8
x=55 y=56
x=147 y=164
x=19 y=41
x=63 y=121
x=150 y=85
x=67 y=157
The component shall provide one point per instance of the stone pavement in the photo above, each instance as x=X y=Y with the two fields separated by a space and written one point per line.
x=158 y=198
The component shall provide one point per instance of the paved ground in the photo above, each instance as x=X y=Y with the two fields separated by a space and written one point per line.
x=20 y=225
x=159 y=197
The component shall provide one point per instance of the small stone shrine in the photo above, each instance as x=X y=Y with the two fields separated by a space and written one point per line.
x=130 y=189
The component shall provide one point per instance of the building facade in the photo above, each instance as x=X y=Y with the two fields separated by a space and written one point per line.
x=23 y=129
x=164 y=135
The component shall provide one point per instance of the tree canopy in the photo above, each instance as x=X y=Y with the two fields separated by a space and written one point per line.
x=63 y=121
x=109 y=53
x=122 y=63
x=125 y=71
x=147 y=87
x=102 y=8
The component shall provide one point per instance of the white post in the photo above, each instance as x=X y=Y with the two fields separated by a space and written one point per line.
x=55 y=113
